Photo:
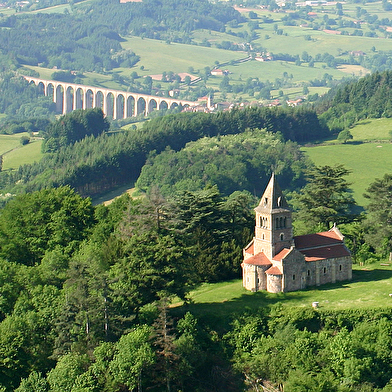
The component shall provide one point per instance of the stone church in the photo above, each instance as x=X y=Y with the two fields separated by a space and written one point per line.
x=278 y=262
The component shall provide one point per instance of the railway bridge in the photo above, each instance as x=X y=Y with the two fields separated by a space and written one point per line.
x=114 y=103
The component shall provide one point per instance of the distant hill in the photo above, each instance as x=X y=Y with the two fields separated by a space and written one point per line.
x=369 y=97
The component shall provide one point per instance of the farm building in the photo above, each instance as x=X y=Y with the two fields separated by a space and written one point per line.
x=278 y=262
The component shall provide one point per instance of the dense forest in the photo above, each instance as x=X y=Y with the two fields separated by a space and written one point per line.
x=90 y=40
x=231 y=162
x=85 y=293
x=21 y=101
x=369 y=97
x=94 y=165
x=80 y=269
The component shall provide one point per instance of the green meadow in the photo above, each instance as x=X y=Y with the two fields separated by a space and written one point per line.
x=9 y=142
x=368 y=156
x=369 y=288
x=23 y=155
x=158 y=56
x=57 y=9
x=15 y=155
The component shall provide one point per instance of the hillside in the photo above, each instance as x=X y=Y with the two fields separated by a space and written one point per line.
x=367 y=156
x=144 y=293
x=100 y=280
x=308 y=51
x=369 y=289
x=95 y=165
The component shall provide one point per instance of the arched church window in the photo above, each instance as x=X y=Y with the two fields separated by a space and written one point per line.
x=281 y=236
x=284 y=222
x=281 y=222
x=262 y=237
x=261 y=222
x=265 y=201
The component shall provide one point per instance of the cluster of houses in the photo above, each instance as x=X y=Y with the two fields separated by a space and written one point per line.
x=206 y=105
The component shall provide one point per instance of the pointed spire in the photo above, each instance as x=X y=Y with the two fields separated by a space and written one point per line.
x=272 y=198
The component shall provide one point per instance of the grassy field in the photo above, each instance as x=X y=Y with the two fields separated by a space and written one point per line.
x=158 y=56
x=9 y=142
x=175 y=57
x=57 y=9
x=15 y=154
x=369 y=288
x=367 y=161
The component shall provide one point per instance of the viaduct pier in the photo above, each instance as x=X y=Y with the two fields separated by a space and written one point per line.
x=114 y=103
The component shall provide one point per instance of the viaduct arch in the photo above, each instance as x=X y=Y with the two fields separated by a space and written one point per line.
x=114 y=103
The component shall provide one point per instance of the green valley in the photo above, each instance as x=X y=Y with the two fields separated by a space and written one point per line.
x=126 y=242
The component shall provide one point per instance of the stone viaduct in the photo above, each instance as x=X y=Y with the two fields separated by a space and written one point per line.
x=114 y=103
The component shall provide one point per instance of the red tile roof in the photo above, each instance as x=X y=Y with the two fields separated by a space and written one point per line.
x=326 y=252
x=325 y=238
x=273 y=271
x=259 y=259
x=250 y=248
x=282 y=254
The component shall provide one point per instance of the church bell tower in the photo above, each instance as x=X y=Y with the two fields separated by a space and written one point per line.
x=273 y=230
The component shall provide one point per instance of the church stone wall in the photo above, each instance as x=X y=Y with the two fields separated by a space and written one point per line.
x=274 y=283
x=254 y=277
x=249 y=277
x=262 y=277
x=344 y=269
x=293 y=267
x=310 y=273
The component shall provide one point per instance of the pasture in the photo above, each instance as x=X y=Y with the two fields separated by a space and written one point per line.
x=15 y=155
x=369 y=288
x=368 y=155
x=9 y=142
x=158 y=56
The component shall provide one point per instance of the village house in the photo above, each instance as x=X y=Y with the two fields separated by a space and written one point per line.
x=276 y=261
x=295 y=102
x=219 y=72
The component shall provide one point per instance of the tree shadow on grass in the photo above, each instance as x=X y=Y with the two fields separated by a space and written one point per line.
x=221 y=314
x=354 y=142
x=365 y=275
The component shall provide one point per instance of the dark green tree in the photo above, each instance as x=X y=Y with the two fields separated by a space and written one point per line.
x=345 y=135
x=34 y=223
x=326 y=199
x=75 y=126
x=379 y=214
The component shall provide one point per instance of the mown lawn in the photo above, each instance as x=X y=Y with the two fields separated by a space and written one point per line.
x=369 y=288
